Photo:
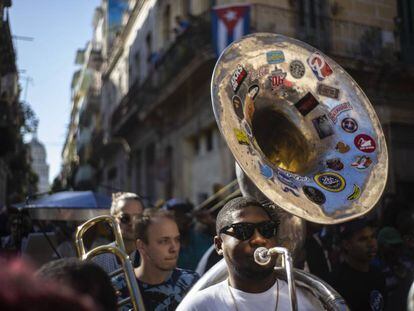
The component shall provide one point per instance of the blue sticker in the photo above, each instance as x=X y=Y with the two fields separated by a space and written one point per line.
x=275 y=57
x=286 y=179
x=266 y=171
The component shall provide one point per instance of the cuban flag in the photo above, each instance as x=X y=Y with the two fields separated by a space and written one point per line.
x=229 y=23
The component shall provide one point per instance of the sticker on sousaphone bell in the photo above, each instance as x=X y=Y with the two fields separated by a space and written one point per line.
x=311 y=120
x=330 y=181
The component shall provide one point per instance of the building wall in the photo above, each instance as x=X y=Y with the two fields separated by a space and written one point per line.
x=39 y=165
x=359 y=34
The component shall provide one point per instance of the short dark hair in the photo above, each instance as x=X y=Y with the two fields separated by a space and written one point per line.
x=147 y=219
x=84 y=277
x=225 y=217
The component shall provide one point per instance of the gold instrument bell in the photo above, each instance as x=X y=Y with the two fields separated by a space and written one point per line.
x=300 y=128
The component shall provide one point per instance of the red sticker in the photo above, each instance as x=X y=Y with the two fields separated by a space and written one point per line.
x=365 y=143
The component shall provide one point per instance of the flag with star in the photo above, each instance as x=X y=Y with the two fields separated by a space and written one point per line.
x=229 y=24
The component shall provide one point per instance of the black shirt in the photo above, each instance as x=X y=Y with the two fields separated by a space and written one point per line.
x=361 y=290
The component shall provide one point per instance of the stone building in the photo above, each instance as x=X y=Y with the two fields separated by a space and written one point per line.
x=39 y=165
x=158 y=135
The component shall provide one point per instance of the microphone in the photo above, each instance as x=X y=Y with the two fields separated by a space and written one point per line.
x=261 y=256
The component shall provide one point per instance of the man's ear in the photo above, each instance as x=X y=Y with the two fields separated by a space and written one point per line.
x=218 y=245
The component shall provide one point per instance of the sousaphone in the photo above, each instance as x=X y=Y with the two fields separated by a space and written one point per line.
x=305 y=138
x=300 y=128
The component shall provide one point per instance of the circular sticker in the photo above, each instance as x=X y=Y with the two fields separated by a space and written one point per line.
x=349 y=125
x=253 y=91
x=313 y=194
x=297 y=69
x=330 y=181
x=365 y=143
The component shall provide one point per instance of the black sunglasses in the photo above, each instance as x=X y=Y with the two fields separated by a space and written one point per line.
x=127 y=218
x=245 y=230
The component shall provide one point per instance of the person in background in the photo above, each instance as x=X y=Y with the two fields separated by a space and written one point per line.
x=316 y=258
x=194 y=242
x=20 y=290
x=397 y=270
x=162 y=284
x=207 y=218
x=84 y=277
x=360 y=283
x=126 y=208
x=15 y=243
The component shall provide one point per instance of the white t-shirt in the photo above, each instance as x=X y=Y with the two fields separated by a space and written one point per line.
x=218 y=297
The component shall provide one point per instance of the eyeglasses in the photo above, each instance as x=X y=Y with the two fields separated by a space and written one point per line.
x=245 y=230
x=128 y=218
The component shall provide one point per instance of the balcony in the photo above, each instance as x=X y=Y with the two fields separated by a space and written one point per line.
x=338 y=38
x=187 y=48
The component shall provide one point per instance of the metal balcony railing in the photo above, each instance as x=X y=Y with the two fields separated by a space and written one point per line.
x=332 y=36
x=169 y=64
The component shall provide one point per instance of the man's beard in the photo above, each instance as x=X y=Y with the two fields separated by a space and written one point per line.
x=254 y=273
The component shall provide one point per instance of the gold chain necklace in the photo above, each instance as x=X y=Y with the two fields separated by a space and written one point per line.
x=234 y=299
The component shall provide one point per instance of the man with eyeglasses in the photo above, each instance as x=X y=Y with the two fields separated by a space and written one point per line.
x=242 y=226
x=126 y=208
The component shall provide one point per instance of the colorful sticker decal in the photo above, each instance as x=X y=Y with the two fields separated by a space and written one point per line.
x=328 y=91
x=286 y=179
x=349 y=125
x=330 y=181
x=248 y=109
x=294 y=176
x=335 y=164
x=277 y=78
x=337 y=110
x=275 y=57
x=287 y=189
x=342 y=147
x=253 y=91
x=297 y=69
x=356 y=193
x=365 y=143
x=266 y=171
x=314 y=194
x=238 y=77
x=257 y=74
x=319 y=66
x=238 y=106
x=362 y=162
x=323 y=126
x=306 y=104
x=241 y=137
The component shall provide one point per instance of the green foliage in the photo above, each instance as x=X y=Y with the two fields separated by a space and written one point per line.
x=19 y=119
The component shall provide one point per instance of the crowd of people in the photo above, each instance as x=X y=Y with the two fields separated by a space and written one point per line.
x=368 y=261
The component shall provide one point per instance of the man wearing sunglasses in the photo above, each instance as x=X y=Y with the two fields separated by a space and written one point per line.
x=126 y=208
x=242 y=226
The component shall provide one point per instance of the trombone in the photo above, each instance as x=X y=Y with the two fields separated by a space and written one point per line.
x=117 y=248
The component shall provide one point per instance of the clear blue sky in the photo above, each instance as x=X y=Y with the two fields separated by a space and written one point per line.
x=59 y=28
